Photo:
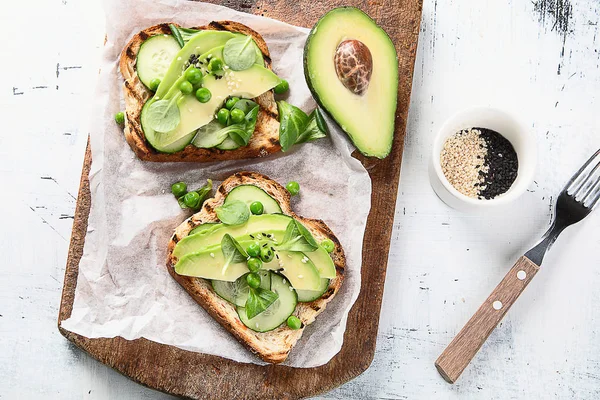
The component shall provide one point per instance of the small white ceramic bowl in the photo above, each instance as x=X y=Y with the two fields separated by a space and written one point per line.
x=501 y=122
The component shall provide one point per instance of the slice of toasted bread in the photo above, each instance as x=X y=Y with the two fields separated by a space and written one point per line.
x=264 y=141
x=273 y=346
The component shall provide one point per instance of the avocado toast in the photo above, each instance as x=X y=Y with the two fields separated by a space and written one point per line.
x=154 y=65
x=304 y=279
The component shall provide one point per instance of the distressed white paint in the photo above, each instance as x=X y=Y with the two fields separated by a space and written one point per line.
x=442 y=264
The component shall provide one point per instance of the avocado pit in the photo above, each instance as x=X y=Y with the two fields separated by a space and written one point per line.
x=354 y=65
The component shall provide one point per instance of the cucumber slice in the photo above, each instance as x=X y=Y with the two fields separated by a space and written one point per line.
x=209 y=226
x=155 y=56
x=151 y=135
x=237 y=292
x=250 y=193
x=306 y=296
x=228 y=144
x=278 y=312
x=210 y=135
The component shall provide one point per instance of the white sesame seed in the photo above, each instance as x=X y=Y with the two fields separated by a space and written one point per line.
x=300 y=276
x=212 y=255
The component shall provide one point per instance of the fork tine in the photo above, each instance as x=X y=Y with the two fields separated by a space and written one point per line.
x=575 y=178
x=587 y=184
x=593 y=194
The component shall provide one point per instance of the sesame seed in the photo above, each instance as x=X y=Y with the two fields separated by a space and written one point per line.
x=212 y=255
x=300 y=276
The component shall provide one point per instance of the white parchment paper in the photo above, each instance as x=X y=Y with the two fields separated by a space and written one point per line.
x=123 y=287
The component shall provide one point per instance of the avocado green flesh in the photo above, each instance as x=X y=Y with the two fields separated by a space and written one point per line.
x=256 y=224
x=199 y=44
x=250 y=193
x=273 y=224
x=368 y=119
x=203 y=228
x=210 y=263
x=254 y=81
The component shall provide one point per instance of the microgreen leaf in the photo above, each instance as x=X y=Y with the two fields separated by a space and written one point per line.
x=297 y=238
x=239 y=53
x=163 y=115
x=245 y=105
x=233 y=213
x=232 y=251
x=258 y=301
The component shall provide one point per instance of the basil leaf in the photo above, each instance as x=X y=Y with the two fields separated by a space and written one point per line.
x=163 y=115
x=232 y=251
x=245 y=105
x=177 y=35
x=312 y=131
x=233 y=213
x=297 y=238
x=242 y=133
x=239 y=53
x=292 y=122
x=258 y=301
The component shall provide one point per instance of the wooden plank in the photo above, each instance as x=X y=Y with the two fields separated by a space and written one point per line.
x=196 y=375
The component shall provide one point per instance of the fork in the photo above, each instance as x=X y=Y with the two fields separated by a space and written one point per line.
x=576 y=201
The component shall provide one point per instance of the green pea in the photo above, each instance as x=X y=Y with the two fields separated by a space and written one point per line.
x=253 y=280
x=328 y=245
x=266 y=254
x=154 y=84
x=191 y=199
x=186 y=87
x=193 y=76
x=231 y=102
x=237 y=116
x=256 y=208
x=120 y=118
x=293 y=187
x=254 y=264
x=179 y=189
x=223 y=116
x=281 y=87
x=215 y=65
x=203 y=95
x=253 y=250
x=294 y=322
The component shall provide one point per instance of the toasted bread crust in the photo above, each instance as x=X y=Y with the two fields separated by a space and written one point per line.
x=264 y=141
x=273 y=346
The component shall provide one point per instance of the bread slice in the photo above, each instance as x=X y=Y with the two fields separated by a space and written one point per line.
x=264 y=141
x=273 y=346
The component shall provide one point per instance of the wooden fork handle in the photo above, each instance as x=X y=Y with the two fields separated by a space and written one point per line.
x=459 y=353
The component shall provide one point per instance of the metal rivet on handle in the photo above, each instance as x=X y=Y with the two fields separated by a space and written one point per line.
x=497 y=305
x=521 y=275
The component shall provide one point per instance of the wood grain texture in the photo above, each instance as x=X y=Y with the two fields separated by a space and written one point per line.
x=195 y=375
x=459 y=353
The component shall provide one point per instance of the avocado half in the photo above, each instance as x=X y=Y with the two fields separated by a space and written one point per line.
x=365 y=108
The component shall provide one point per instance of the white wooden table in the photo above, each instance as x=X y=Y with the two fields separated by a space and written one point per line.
x=515 y=55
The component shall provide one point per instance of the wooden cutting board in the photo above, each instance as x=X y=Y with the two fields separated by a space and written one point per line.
x=201 y=376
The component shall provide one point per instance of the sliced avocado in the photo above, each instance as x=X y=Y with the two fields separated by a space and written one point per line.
x=298 y=268
x=364 y=106
x=203 y=228
x=253 y=82
x=250 y=193
x=208 y=264
x=257 y=225
x=198 y=45
x=265 y=223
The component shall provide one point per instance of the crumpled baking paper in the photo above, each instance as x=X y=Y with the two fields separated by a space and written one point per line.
x=123 y=287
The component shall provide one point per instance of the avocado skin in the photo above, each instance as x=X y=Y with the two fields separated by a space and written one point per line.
x=316 y=95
